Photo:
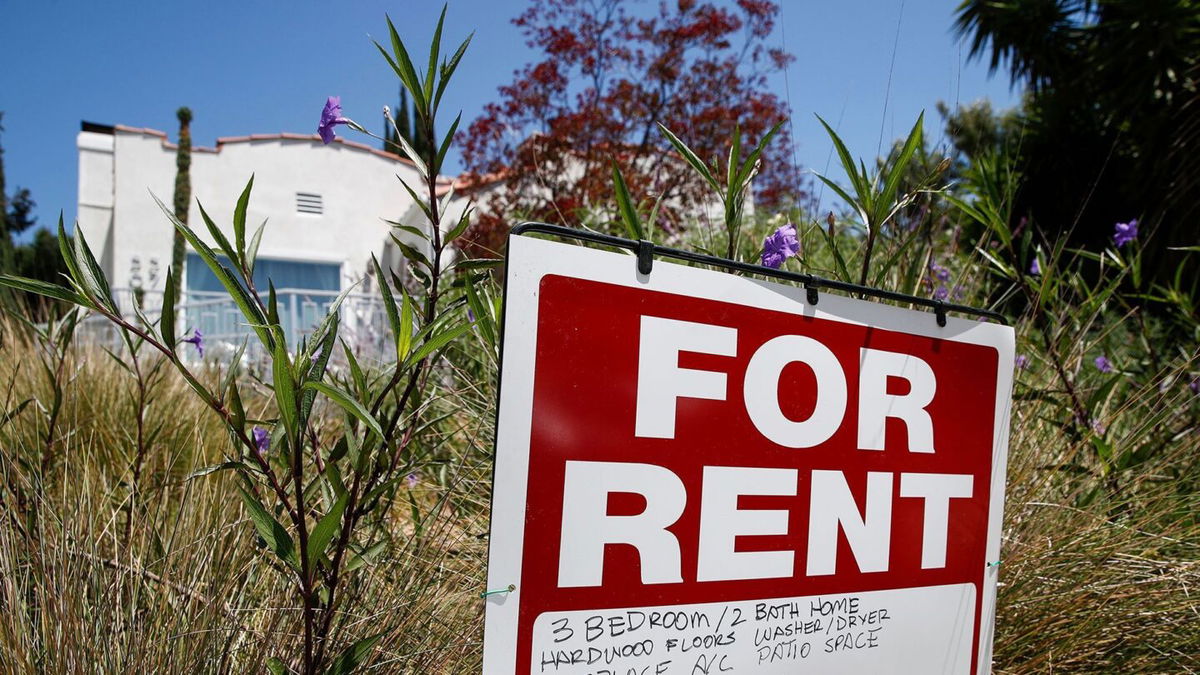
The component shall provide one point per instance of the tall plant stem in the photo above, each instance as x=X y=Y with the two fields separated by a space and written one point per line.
x=866 y=263
x=140 y=451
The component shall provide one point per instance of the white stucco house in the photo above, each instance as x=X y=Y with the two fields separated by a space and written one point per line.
x=325 y=206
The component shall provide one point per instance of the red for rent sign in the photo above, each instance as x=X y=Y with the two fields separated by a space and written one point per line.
x=702 y=473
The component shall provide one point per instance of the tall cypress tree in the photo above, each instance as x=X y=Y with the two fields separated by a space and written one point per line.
x=183 y=190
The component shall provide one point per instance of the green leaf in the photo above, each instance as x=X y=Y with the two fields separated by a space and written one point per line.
x=420 y=202
x=270 y=529
x=240 y=297
x=408 y=74
x=832 y=244
x=276 y=666
x=93 y=280
x=285 y=387
x=389 y=302
x=239 y=216
x=464 y=221
x=166 y=321
x=414 y=513
x=892 y=183
x=625 y=206
x=412 y=254
x=354 y=655
x=44 y=289
x=366 y=556
x=415 y=231
x=447 y=140
x=896 y=255
x=252 y=253
x=857 y=180
x=358 y=457
x=223 y=466
x=1104 y=451
x=325 y=530
x=690 y=157
x=237 y=411
x=356 y=372
x=733 y=164
x=1102 y=392
x=348 y=404
x=844 y=195
x=404 y=337
x=435 y=342
x=272 y=304
x=68 y=252
x=415 y=158
x=478 y=263
x=200 y=390
x=332 y=473
x=143 y=320
x=483 y=317
x=448 y=69
x=234 y=365
x=316 y=371
x=11 y=414
x=434 y=45
x=217 y=235
x=744 y=174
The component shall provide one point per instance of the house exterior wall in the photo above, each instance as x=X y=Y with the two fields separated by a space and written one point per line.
x=96 y=193
x=121 y=170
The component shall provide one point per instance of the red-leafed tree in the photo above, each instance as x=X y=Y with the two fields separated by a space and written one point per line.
x=611 y=73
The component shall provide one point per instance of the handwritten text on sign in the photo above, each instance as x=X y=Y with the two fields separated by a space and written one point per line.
x=704 y=476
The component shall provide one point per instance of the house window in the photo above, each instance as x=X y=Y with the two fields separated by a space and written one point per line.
x=309 y=202
x=305 y=291
x=285 y=274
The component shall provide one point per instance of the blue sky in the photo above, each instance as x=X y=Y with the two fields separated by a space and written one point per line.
x=262 y=67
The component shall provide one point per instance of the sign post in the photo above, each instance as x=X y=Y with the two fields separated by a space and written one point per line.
x=698 y=472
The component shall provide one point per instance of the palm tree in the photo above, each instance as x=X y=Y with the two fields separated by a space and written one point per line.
x=1111 y=122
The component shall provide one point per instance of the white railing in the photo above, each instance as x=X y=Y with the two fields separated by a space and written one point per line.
x=364 y=324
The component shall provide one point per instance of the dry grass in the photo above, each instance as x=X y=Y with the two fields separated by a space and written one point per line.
x=190 y=592
x=1111 y=586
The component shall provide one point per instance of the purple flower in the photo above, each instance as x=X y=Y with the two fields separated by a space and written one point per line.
x=197 y=339
x=941 y=273
x=1194 y=385
x=780 y=246
x=1123 y=233
x=940 y=293
x=316 y=354
x=1035 y=268
x=262 y=440
x=411 y=480
x=1103 y=364
x=1098 y=427
x=470 y=315
x=1022 y=362
x=331 y=116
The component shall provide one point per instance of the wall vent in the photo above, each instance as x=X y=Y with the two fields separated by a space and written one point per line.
x=308 y=202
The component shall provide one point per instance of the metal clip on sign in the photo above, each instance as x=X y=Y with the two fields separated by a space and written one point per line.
x=646 y=251
x=499 y=591
x=645 y=256
x=810 y=289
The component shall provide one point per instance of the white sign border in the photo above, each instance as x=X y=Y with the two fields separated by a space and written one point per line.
x=530 y=259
